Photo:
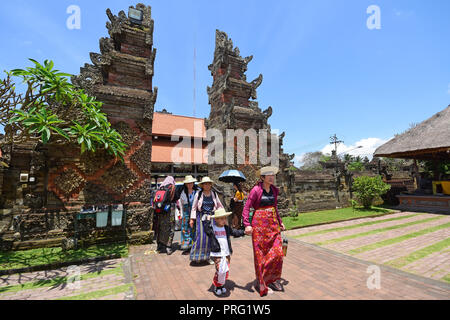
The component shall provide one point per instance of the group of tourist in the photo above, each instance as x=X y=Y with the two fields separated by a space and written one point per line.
x=205 y=234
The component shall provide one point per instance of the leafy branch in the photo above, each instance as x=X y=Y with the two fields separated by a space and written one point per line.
x=52 y=110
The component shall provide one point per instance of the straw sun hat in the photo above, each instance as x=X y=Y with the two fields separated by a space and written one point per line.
x=189 y=179
x=268 y=171
x=219 y=213
x=205 y=180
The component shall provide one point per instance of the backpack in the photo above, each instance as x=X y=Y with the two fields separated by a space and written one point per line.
x=161 y=201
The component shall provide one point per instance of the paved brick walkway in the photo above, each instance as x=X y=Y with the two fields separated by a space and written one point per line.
x=390 y=252
x=368 y=239
x=342 y=233
x=111 y=277
x=435 y=266
x=309 y=272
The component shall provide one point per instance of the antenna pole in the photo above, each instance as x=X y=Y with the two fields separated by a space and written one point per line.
x=195 y=71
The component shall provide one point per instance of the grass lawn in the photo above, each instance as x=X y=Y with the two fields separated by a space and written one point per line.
x=100 y=293
x=36 y=257
x=58 y=281
x=313 y=218
x=419 y=254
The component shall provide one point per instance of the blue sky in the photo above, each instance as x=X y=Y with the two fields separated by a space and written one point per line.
x=324 y=71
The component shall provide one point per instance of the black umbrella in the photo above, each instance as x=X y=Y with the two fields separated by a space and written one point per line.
x=233 y=176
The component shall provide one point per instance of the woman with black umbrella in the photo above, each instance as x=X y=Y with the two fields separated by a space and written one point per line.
x=237 y=202
x=237 y=206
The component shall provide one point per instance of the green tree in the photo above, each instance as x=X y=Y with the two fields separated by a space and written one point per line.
x=347 y=157
x=367 y=189
x=293 y=212
x=441 y=168
x=355 y=166
x=52 y=110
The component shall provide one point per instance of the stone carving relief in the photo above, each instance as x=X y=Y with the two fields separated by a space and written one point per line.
x=68 y=182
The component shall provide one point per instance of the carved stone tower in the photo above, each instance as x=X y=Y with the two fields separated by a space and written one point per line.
x=46 y=209
x=233 y=107
x=121 y=77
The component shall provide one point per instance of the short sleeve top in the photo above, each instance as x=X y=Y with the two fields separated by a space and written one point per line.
x=267 y=199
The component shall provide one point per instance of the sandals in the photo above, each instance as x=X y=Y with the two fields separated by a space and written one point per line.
x=276 y=286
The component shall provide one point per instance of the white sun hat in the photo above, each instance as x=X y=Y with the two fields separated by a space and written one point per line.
x=219 y=213
x=205 y=180
x=189 y=179
x=268 y=171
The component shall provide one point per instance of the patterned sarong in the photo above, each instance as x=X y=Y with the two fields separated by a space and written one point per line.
x=267 y=247
x=187 y=233
x=201 y=248
x=166 y=227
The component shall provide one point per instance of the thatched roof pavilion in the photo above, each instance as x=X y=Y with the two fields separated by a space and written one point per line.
x=429 y=140
x=426 y=141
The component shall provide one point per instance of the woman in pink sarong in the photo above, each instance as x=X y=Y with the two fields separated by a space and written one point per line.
x=265 y=227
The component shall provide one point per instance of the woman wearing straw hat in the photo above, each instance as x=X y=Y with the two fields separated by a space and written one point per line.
x=187 y=198
x=219 y=236
x=265 y=228
x=205 y=203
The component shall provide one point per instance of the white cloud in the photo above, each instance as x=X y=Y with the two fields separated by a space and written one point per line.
x=404 y=13
x=298 y=160
x=369 y=145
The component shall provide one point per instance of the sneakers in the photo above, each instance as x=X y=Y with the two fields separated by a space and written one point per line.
x=162 y=249
x=211 y=262
x=220 y=291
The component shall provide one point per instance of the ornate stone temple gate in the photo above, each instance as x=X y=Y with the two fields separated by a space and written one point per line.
x=233 y=107
x=45 y=210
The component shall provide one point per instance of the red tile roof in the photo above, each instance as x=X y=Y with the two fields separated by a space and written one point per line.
x=165 y=151
x=168 y=125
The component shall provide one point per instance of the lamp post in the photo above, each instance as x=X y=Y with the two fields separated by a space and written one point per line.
x=349 y=175
x=135 y=15
x=334 y=140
